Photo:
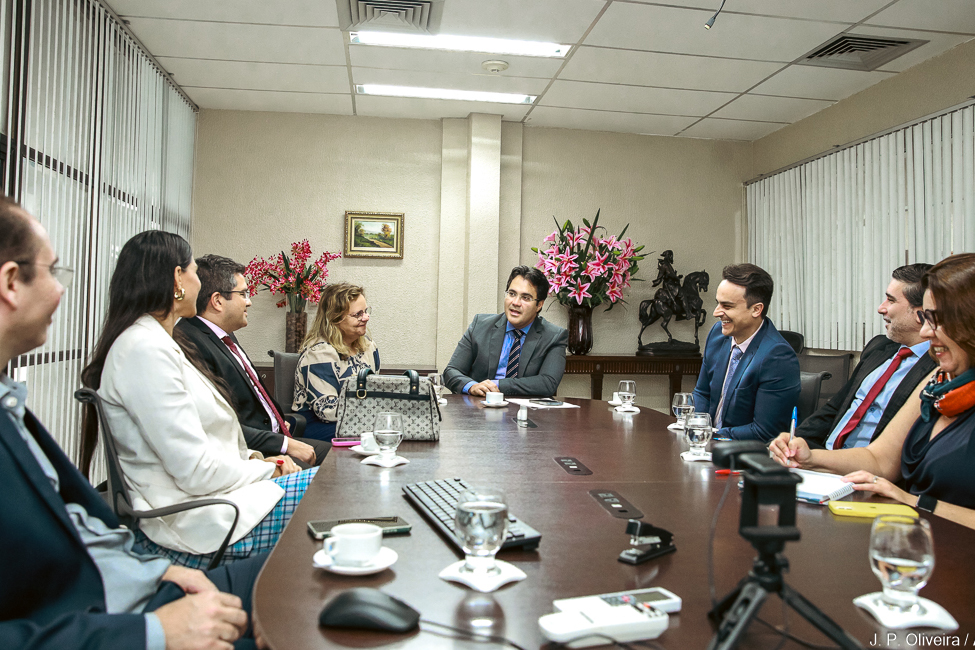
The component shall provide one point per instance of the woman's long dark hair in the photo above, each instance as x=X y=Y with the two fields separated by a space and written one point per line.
x=141 y=284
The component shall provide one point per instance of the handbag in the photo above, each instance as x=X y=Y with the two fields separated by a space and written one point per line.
x=409 y=395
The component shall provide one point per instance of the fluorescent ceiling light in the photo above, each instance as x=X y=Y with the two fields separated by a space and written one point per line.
x=461 y=43
x=443 y=93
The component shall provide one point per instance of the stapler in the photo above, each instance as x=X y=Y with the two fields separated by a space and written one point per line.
x=647 y=542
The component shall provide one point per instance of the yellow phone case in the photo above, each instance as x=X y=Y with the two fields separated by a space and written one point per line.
x=869 y=509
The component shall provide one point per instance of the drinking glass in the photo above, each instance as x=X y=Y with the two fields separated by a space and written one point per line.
x=697 y=431
x=682 y=405
x=902 y=558
x=481 y=522
x=388 y=432
x=436 y=380
x=627 y=394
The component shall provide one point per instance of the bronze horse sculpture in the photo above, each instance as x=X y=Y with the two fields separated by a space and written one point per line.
x=681 y=302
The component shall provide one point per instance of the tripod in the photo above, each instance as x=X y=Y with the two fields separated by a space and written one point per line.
x=766 y=483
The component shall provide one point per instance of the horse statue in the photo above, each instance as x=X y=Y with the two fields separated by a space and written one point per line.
x=685 y=305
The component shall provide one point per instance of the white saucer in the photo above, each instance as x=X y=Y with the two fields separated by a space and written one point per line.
x=676 y=428
x=363 y=452
x=496 y=405
x=623 y=409
x=929 y=614
x=482 y=581
x=688 y=457
x=384 y=559
x=613 y=402
x=392 y=462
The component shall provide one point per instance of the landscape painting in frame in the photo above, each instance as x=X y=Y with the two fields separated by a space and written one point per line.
x=374 y=234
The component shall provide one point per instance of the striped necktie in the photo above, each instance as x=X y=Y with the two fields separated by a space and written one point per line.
x=514 y=355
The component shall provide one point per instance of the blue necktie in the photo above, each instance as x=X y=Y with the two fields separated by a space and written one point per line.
x=732 y=367
x=512 y=369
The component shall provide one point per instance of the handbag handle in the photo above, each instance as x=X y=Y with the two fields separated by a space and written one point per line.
x=414 y=381
x=360 y=382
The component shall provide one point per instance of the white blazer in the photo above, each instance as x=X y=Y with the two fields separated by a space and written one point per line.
x=179 y=440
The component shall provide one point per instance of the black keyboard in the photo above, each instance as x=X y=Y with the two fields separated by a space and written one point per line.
x=437 y=501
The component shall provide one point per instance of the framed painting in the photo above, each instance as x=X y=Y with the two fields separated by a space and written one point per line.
x=374 y=234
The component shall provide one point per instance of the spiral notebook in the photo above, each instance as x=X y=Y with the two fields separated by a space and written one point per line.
x=821 y=487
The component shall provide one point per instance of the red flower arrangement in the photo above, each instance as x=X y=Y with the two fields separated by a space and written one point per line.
x=299 y=281
x=585 y=269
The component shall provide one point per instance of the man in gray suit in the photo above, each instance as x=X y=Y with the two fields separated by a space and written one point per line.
x=517 y=352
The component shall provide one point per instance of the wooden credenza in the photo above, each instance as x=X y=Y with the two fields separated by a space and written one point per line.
x=630 y=364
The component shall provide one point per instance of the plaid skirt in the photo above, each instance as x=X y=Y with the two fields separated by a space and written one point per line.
x=260 y=539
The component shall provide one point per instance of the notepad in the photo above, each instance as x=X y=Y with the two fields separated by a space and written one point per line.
x=820 y=487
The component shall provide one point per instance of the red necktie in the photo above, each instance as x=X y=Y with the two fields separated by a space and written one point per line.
x=257 y=384
x=902 y=354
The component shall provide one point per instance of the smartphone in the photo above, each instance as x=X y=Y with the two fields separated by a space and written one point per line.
x=868 y=509
x=345 y=442
x=390 y=525
x=548 y=401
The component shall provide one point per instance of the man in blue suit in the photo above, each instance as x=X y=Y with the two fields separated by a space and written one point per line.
x=749 y=379
x=71 y=577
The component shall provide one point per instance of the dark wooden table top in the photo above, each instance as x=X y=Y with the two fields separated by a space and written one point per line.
x=636 y=456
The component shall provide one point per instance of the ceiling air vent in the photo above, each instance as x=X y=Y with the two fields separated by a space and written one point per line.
x=391 y=15
x=858 y=52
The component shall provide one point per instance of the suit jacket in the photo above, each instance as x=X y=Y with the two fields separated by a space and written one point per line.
x=476 y=357
x=763 y=390
x=817 y=427
x=51 y=593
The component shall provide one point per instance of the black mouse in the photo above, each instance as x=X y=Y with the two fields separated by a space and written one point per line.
x=369 y=609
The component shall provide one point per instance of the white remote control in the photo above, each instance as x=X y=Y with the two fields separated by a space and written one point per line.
x=622 y=616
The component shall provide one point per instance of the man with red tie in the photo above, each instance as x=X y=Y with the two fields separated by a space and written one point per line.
x=221 y=310
x=890 y=369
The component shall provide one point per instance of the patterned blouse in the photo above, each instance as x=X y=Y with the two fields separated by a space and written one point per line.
x=320 y=373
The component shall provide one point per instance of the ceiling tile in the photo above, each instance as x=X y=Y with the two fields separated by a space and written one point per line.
x=730 y=129
x=944 y=15
x=939 y=43
x=307 y=13
x=819 y=83
x=433 y=109
x=401 y=58
x=669 y=29
x=559 y=21
x=483 y=82
x=632 y=99
x=251 y=100
x=830 y=10
x=771 y=109
x=258 y=76
x=236 y=42
x=573 y=118
x=667 y=70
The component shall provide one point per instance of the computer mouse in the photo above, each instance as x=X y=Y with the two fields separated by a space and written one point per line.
x=369 y=609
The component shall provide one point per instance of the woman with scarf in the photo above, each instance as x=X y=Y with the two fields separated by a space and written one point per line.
x=927 y=463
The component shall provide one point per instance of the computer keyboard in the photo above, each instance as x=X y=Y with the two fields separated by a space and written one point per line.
x=437 y=501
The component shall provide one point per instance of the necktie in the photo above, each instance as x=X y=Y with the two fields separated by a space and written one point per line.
x=902 y=354
x=256 y=383
x=514 y=356
x=736 y=354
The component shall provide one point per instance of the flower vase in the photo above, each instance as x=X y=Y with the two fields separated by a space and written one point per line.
x=580 y=329
x=295 y=326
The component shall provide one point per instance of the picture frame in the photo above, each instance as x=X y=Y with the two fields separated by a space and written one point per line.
x=374 y=235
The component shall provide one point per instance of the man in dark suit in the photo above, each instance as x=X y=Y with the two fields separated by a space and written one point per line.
x=890 y=368
x=517 y=352
x=72 y=576
x=221 y=310
x=749 y=380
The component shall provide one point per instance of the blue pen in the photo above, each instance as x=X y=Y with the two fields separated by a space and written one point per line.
x=792 y=428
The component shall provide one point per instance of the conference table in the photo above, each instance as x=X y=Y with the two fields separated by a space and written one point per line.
x=634 y=456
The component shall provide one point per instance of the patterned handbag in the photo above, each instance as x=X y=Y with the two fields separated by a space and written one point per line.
x=409 y=395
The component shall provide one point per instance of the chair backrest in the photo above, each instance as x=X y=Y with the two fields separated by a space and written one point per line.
x=285 y=364
x=118 y=492
x=810 y=385
x=795 y=339
x=837 y=365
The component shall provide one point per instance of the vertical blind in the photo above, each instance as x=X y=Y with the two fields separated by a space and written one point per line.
x=831 y=231
x=99 y=147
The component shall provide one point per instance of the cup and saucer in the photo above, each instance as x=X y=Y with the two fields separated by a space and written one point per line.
x=494 y=400
x=355 y=550
x=368 y=446
x=616 y=400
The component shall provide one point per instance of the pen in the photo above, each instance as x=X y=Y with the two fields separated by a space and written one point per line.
x=792 y=428
x=727 y=472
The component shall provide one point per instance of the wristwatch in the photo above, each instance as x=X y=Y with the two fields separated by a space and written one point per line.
x=927 y=503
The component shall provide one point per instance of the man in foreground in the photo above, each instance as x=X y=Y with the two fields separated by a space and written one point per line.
x=72 y=577
x=749 y=380
x=221 y=310
x=517 y=352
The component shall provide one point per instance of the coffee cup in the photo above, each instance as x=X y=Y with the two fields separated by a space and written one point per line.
x=368 y=441
x=616 y=398
x=354 y=545
x=494 y=398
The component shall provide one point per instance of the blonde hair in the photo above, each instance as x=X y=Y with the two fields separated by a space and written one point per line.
x=332 y=309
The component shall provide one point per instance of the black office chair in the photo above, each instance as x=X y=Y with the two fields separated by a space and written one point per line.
x=285 y=365
x=810 y=384
x=836 y=365
x=795 y=339
x=118 y=492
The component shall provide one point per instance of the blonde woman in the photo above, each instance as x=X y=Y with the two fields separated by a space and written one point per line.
x=335 y=349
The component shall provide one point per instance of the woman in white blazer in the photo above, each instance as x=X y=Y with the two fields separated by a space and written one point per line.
x=177 y=434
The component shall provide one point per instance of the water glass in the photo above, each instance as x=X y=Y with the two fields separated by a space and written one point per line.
x=481 y=522
x=627 y=394
x=902 y=558
x=682 y=405
x=697 y=431
x=388 y=432
x=436 y=380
